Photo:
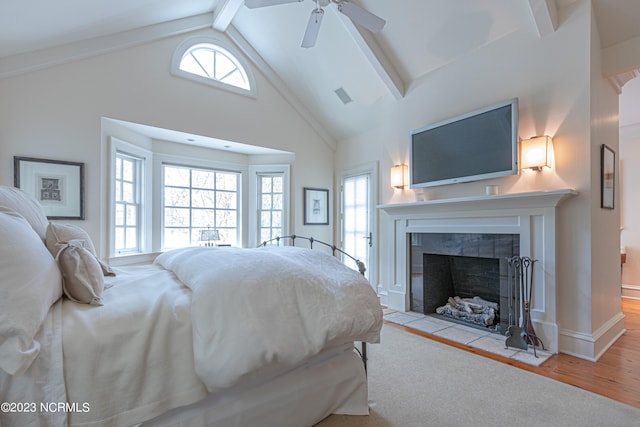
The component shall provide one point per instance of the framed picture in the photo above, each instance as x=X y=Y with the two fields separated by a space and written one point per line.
x=316 y=206
x=56 y=184
x=608 y=177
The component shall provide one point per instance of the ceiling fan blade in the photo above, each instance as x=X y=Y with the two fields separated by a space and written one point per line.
x=254 y=4
x=361 y=16
x=313 y=27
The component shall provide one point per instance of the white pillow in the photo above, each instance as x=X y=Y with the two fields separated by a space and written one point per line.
x=27 y=206
x=31 y=283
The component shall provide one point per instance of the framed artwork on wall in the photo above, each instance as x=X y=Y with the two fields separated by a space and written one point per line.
x=608 y=177
x=316 y=206
x=56 y=184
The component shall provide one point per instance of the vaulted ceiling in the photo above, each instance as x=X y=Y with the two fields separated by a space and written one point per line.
x=375 y=70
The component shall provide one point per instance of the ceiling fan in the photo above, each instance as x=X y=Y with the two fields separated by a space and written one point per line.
x=357 y=14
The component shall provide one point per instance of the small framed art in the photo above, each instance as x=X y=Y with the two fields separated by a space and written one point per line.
x=56 y=184
x=316 y=206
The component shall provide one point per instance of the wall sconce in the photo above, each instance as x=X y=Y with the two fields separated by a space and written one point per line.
x=400 y=176
x=536 y=152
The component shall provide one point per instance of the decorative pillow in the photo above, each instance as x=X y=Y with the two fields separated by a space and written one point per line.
x=31 y=283
x=83 y=280
x=58 y=235
x=26 y=206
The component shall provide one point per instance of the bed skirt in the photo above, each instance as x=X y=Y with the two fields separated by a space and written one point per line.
x=331 y=383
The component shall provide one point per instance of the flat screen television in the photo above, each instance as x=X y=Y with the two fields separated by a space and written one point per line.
x=478 y=145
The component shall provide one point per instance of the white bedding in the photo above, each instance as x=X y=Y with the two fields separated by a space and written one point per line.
x=333 y=382
x=271 y=306
x=42 y=382
x=132 y=358
x=201 y=319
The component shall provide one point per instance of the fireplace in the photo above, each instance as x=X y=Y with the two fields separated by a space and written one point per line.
x=531 y=216
x=464 y=265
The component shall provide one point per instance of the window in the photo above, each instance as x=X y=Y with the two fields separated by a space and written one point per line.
x=212 y=62
x=159 y=201
x=270 y=205
x=127 y=203
x=196 y=199
x=269 y=200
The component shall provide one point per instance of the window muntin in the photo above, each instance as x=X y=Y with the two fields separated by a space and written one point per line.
x=216 y=63
x=270 y=206
x=127 y=204
x=196 y=199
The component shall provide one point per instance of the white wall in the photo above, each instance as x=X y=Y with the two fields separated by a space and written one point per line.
x=56 y=113
x=629 y=178
x=607 y=319
x=551 y=76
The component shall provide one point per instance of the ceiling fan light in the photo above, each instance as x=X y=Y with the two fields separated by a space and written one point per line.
x=313 y=28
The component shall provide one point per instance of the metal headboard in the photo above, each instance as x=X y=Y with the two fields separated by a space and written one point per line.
x=361 y=267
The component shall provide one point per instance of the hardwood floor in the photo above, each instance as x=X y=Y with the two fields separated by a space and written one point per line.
x=616 y=375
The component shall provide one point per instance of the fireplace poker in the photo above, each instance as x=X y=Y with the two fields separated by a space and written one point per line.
x=516 y=335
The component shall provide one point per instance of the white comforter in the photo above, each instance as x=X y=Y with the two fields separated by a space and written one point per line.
x=159 y=342
x=270 y=306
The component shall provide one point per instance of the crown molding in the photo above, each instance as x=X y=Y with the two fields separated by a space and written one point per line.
x=40 y=59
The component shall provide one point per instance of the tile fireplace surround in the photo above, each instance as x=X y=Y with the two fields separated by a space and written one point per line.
x=531 y=215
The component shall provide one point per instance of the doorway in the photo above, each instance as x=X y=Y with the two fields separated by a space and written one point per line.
x=358 y=233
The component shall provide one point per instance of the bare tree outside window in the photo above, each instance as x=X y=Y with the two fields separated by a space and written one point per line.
x=197 y=199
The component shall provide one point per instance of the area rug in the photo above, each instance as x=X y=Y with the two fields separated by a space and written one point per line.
x=414 y=381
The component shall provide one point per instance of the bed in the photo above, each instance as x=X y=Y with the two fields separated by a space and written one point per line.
x=201 y=337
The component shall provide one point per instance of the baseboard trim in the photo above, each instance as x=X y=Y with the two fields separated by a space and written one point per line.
x=592 y=346
x=631 y=291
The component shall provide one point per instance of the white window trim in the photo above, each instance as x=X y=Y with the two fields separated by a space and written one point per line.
x=254 y=218
x=146 y=233
x=190 y=42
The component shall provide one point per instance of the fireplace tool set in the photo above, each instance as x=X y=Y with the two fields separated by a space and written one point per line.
x=520 y=333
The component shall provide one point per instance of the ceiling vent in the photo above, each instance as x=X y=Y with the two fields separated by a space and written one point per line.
x=343 y=95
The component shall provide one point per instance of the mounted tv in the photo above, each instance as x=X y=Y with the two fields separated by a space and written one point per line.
x=478 y=145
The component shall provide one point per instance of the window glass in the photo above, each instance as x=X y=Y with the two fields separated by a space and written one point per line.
x=213 y=62
x=197 y=199
x=127 y=203
x=270 y=206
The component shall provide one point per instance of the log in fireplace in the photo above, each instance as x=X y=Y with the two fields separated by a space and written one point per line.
x=446 y=266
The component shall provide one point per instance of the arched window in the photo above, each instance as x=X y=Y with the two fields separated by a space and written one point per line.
x=206 y=61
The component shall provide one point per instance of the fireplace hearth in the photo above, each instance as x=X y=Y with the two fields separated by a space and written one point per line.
x=448 y=267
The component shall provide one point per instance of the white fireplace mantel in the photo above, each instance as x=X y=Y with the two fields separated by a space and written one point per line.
x=531 y=215
x=549 y=198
